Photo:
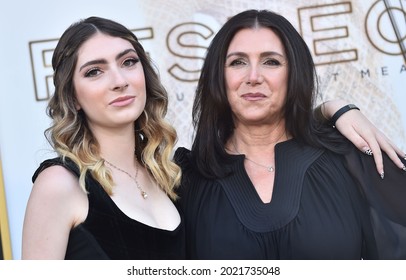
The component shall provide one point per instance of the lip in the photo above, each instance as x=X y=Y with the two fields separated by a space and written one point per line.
x=122 y=101
x=253 y=96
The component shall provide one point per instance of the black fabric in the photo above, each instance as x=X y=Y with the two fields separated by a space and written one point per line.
x=82 y=245
x=386 y=200
x=318 y=209
x=107 y=233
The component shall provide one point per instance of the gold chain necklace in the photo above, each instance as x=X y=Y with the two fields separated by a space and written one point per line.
x=143 y=193
x=270 y=168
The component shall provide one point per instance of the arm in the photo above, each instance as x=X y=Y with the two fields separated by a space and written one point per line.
x=363 y=134
x=56 y=204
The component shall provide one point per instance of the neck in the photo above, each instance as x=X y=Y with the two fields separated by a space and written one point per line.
x=117 y=146
x=258 y=139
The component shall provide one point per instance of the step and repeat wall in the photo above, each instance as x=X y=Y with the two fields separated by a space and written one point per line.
x=359 y=48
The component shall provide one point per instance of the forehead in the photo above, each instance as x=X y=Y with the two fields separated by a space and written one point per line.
x=260 y=39
x=102 y=46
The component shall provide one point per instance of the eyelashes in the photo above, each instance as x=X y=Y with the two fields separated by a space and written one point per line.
x=97 y=70
x=131 y=61
x=241 y=62
x=92 y=72
x=236 y=63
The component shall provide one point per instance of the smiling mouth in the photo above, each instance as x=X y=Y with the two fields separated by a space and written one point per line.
x=253 y=96
x=122 y=101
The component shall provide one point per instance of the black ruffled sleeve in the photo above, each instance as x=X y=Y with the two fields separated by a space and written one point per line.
x=386 y=198
x=67 y=163
x=182 y=158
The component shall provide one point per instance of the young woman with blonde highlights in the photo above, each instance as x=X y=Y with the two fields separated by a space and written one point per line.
x=70 y=136
x=109 y=192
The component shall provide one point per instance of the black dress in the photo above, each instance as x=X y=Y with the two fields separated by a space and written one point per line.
x=107 y=233
x=318 y=209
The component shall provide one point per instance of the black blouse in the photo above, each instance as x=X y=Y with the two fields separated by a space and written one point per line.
x=107 y=233
x=319 y=208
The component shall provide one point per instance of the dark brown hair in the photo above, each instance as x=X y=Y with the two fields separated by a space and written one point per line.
x=212 y=116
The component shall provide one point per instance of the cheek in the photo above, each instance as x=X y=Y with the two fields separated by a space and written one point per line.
x=77 y=95
x=233 y=99
x=284 y=85
x=139 y=82
x=86 y=95
x=80 y=95
x=232 y=81
x=136 y=77
x=80 y=90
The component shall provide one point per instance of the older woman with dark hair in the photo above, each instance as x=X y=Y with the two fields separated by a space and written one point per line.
x=265 y=178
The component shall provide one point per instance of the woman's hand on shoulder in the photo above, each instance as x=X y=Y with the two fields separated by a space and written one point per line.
x=356 y=127
x=56 y=204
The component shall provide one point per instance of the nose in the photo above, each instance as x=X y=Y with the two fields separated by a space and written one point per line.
x=119 y=81
x=121 y=87
x=254 y=76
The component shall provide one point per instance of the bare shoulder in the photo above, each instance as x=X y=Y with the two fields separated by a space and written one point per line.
x=57 y=178
x=56 y=205
x=57 y=189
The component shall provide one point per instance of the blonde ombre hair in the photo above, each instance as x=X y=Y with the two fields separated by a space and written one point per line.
x=69 y=133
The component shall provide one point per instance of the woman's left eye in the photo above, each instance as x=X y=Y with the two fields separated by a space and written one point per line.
x=130 y=61
x=272 y=62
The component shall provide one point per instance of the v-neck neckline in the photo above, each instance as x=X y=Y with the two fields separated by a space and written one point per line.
x=251 y=210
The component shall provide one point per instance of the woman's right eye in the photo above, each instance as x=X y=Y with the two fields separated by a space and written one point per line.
x=236 y=62
x=92 y=72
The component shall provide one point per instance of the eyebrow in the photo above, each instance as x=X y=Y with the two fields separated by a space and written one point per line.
x=245 y=54
x=103 y=61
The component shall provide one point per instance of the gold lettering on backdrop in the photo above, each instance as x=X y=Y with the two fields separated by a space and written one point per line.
x=321 y=27
x=144 y=34
x=41 y=55
x=183 y=41
x=391 y=41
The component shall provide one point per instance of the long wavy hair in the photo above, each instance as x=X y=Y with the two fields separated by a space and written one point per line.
x=212 y=115
x=69 y=133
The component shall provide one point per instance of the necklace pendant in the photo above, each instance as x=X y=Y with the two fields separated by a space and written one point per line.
x=271 y=169
x=144 y=194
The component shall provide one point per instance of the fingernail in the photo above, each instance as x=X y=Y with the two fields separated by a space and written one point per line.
x=382 y=175
x=368 y=151
x=405 y=157
x=404 y=167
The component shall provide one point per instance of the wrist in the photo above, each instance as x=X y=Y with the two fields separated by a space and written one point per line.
x=330 y=107
x=342 y=111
